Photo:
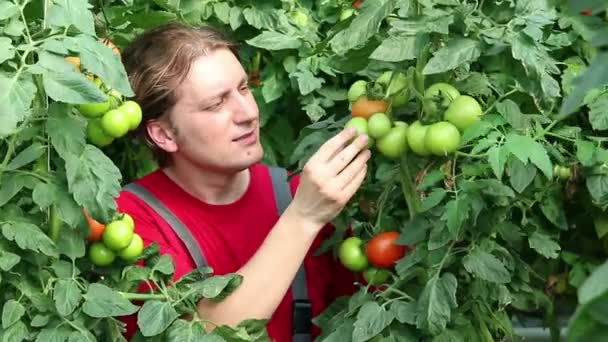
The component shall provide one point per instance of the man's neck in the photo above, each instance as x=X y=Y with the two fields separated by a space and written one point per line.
x=210 y=186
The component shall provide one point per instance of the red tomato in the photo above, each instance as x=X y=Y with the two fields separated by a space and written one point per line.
x=357 y=3
x=382 y=251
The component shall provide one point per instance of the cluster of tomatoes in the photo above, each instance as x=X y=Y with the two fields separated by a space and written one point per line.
x=117 y=238
x=447 y=114
x=375 y=258
x=112 y=118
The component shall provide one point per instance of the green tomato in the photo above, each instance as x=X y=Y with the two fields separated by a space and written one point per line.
x=101 y=255
x=379 y=125
x=96 y=135
x=132 y=111
x=442 y=138
x=290 y=64
x=376 y=276
x=94 y=110
x=415 y=138
x=438 y=97
x=400 y=98
x=352 y=255
x=357 y=90
x=346 y=13
x=394 y=143
x=397 y=84
x=118 y=235
x=299 y=18
x=463 y=112
x=358 y=123
x=115 y=123
x=133 y=250
x=128 y=219
x=562 y=172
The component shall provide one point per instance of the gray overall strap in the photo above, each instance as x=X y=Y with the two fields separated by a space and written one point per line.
x=178 y=226
x=302 y=313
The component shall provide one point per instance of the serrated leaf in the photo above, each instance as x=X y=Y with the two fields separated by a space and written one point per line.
x=271 y=40
x=595 y=285
x=236 y=18
x=67 y=132
x=7 y=51
x=432 y=199
x=478 y=129
x=101 y=301
x=54 y=334
x=82 y=336
x=595 y=76
x=94 y=181
x=40 y=321
x=404 y=312
x=273 y=88
x=222 y=11
x=436 y=302
x=526 y=148
x=71 y=87
x=497 y=157
x=218 y=287
x=259 y=17
x=430 y=179
x=15 y=333
x=598 y=112
x=544 y=245
x=363 y=26
x=63 y=268
x=457 y=52
x=597 y=185
x=184 y=331
x=371 y=320
x=16 y=96
x=155 y=316
x=520 y=174
x=511 y=112
x=456 y=212
x=8 y=260
x=486 y=266
x=71 y=244
x=28 y=155
x=399 y=48
x=65 y=13
x=12 y=311
x=307 y=82
x=553 y=209
x=586 y=152
x=164 y=265
x=29 y=236
x=8 y=9
x=494 y=188
x=99 y=59
x=67 y=296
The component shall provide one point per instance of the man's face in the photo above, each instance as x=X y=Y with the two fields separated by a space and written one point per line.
x=216 y=116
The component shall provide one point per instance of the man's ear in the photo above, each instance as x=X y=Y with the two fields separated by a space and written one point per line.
x=162 y=135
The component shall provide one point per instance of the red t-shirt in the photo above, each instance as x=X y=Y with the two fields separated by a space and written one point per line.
x=229 y=235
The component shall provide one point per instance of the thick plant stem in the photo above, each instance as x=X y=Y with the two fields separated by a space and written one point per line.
x=407 y=186
x=142 y=296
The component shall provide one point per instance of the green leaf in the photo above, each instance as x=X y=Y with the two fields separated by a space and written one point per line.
x=404 y=265
x=8 y=9
x=260 y=18
x=66 y=131
x=486 y=266
x=54 y=334
x=8 y=260
x=218 y=287
x=307 y=82
x=67 y=296
x=553 y=209
x=164 y=265
x=435 y=303
x=456 y=212
x=371 y=320
x=101 y=301
x=222 y=11
x=29 y=236
x=399 y=48
x=404 y=312
x=520 y=174
x=155 y=316
x=16 y=96
x=595 y=76
x=494 y=188
x=598 y=112
x=363 y=27
x=71 y=244
x=82 y=336
x=71 y=87
x=432 y=199
x=185 y=331
x=28 y=155
x=586 y=152
x=457 y=52
x=526 y=148
x=15 y=333
x=236 y=18
x=544 y=245
x=497 y=157
x=77 y=13
x=94 y=180
x=271 y=40
x=12 y=311
x=63 y=269
x=101 y=60
x=7 y=51
x=12 y=183
x=595 y=285
x=597 y=185
x=511 y=112
x=478 y=129
x=273 y=87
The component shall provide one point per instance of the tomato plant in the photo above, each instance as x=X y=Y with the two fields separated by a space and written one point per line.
x=463 y=112
x=365 y=107
x=382 y=251
x=351 y=254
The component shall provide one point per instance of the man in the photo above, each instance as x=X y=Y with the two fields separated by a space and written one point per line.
x=203 y=123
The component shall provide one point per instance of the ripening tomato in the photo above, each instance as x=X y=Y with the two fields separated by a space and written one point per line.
x=364 y=107
x=96 y=228
x=382 y=251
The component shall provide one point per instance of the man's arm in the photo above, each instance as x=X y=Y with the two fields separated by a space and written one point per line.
x=328 y=181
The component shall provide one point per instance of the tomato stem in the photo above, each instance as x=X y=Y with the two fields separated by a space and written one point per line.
x=142 y=296
x=407 y=187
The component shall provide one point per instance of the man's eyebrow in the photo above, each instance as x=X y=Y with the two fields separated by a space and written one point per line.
x=206 y=100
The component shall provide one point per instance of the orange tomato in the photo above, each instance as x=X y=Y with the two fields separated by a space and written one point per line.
x=96 y=228
x=365 y=107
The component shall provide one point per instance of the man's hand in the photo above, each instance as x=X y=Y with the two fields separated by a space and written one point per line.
x=331 y=177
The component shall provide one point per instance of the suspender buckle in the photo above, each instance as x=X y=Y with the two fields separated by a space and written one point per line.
x=302 y=316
